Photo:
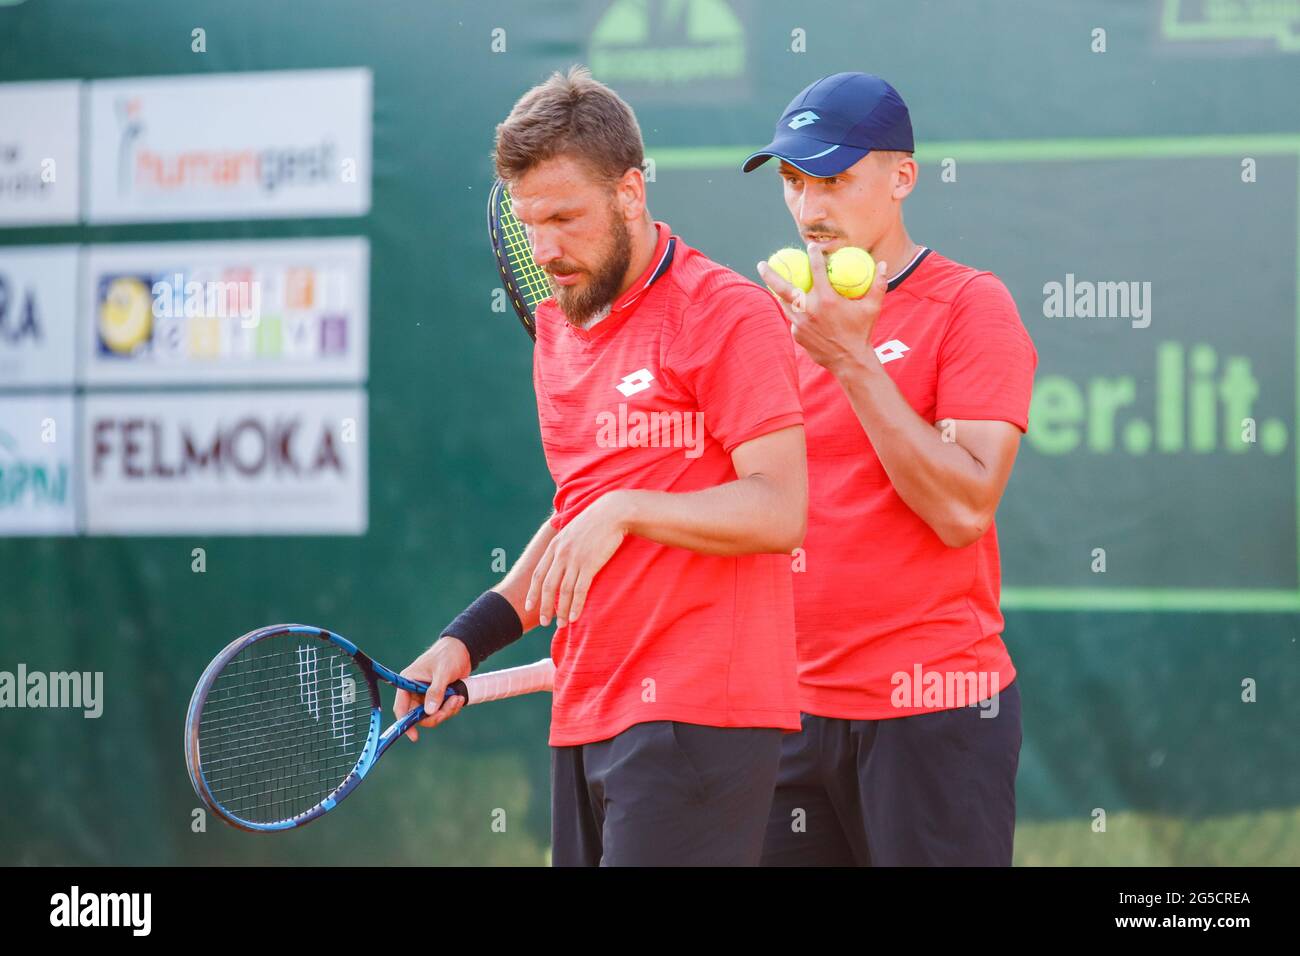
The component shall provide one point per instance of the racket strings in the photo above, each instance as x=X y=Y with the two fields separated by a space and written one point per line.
x=532 y=279
x=283 y=725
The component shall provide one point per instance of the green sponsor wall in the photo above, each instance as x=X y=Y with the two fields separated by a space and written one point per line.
x=1117 y=166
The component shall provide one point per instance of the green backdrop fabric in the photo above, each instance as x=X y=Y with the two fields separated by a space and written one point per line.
x=1122 y=166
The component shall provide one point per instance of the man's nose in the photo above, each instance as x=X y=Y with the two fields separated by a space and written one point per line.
x=545 y=249
x=811 y=209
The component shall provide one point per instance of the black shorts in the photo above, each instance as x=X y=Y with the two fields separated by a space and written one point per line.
x=664 y=793
x=935 y=789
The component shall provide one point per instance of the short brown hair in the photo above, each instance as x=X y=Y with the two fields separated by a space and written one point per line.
x=571 y=115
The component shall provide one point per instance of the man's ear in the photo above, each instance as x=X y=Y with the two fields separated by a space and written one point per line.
x=631 y=193
x=904 y=177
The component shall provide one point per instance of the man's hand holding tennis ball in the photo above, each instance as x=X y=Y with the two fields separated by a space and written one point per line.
x=831 y=326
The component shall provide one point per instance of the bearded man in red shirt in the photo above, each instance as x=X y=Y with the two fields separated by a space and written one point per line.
x=915 y=397
x=669 y=410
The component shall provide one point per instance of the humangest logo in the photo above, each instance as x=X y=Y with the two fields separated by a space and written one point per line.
x=147 y=169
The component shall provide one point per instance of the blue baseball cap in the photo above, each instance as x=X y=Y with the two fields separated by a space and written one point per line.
x=835 y=122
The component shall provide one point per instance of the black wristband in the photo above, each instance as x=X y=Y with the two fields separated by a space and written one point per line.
x=486 y=626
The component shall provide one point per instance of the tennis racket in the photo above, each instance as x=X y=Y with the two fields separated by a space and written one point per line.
x=524 y=280
x=285 y=722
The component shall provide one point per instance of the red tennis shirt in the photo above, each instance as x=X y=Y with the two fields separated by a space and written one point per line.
x=692 y=361
x=890 y=620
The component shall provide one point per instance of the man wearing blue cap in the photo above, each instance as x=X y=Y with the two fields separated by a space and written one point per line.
x=915 y=397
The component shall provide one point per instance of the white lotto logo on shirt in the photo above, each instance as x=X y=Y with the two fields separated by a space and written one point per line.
x=637 y=381
x=893 y=349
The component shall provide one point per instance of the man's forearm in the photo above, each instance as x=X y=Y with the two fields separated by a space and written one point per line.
x=482 y=629
x=750 y=515
x=514 y=586
x=939 y=480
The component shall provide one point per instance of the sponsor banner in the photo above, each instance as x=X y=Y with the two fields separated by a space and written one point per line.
x=225 y=463
x=1232 y=28
x=39 y=164
x=37 y=446
x=1160 y=466
x=38 y=313
x=695 y=50
x=230 y=146
x=201 y=313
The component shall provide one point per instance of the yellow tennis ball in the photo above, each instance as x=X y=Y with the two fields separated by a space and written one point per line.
x=792 y=265
x=850 y=271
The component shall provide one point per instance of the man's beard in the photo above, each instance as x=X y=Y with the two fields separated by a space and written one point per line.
x=581 y=304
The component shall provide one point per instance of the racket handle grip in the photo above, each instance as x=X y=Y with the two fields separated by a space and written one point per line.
x=511 y=682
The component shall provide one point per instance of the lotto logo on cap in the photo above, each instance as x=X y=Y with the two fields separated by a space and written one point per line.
x=836 y=121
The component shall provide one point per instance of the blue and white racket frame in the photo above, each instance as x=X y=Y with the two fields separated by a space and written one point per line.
x=376 y=741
